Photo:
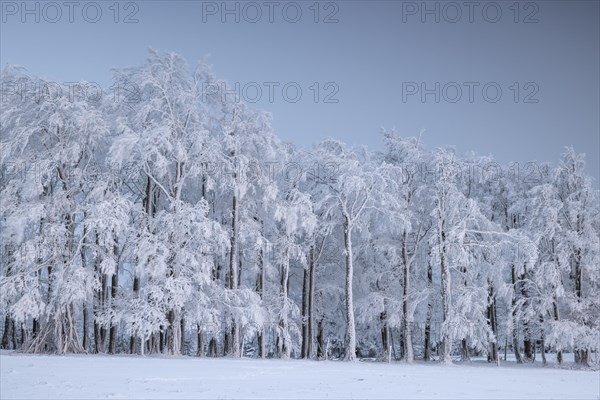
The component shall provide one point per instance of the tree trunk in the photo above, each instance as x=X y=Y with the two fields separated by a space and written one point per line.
x=311 y=297
x=212 y=347
x=200 y=350
x=23 y=335
x=464 y=343
x=261 y=345
x=303 y=349
x=226 y=341
x=97 y=344
x=35 y=328
x=173 y=333
x=582 y=356
x=85 y=302
x=406 y=311
x=283 y=339
x=559 y=356
x=260 y=287
x=233 y=276
x=464 y=350
x=235 y=344
x=385 y=333
x=528 y=345
x=100 y=301
x=233 y=242
x=543 y=341
x=112 y=341
x=86 y=335
x=136 y=292
x=446 y=348
x=6 y=335
x=491 y=315
x=15 y=342
x=161 y=336
x=515 y=327
x=427 y=344
x=182 y=334
x=350 y=339
x=321 y=350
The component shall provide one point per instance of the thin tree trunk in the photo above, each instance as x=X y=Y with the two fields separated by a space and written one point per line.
x=559 y=355
x=528 y=345
x=406 y=312
x=260 y=287
x=226 y=341
x=582 y=356
x=235 y=344
x=100 y=300
x=350 y=324
x=491 y=314
x=304 y=348
x=15 y=342
x=311 y=297
x=233 y=276
x=445 y=357
x=172 y=336
x=23 y=335
x=200 y=350
x=35 y=328
x=385 y=334
x=136 y=292
x=515 y=327
x=112 y=341
x=6 y=335
x=283 y=339
x=321 y=350
x=543 y=341
x=464 y=343
x=464 y=350
x=86 y=335
x=212 y=347
x=239 y=280
x=182 y=334
x=85 y=302
x=162 y=339
x=427 y=344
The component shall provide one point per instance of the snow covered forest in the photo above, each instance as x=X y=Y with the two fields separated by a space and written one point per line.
x=166 y=216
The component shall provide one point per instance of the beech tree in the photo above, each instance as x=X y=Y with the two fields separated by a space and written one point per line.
x=351 y=193
x=55 y=138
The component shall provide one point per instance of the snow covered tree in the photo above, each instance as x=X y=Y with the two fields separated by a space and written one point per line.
x=454 y=218
x=578 y=256
x=351 y=193
x=407 y=206
x=55 y=137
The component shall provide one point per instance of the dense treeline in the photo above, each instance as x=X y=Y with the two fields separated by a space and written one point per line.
x=168 y=217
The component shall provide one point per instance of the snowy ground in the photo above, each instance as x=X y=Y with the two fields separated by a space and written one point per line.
x=26 y=376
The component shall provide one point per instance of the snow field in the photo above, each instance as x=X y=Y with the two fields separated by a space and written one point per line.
x=84 y=377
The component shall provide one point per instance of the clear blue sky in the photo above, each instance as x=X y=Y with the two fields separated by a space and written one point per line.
x=375 y=56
